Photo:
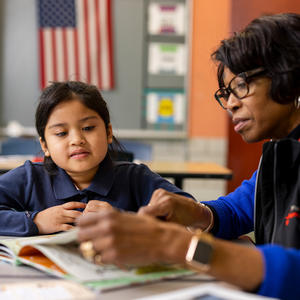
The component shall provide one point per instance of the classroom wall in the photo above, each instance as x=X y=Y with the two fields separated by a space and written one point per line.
x=207 y=121
x=211 y=23
x=19 y=84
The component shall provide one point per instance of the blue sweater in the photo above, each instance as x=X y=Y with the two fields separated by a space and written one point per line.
x=29 y=189
x=235 y=214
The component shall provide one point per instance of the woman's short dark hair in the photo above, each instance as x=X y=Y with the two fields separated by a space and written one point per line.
x=271 y=42
x=59 y=92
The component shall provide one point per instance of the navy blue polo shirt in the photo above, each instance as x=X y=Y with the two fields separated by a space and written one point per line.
x=29 y=189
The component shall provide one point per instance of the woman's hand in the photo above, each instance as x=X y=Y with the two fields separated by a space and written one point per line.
x=96 y=205
x=58 y=218
x=126 y=238
x=130 y=239
x=176 y=208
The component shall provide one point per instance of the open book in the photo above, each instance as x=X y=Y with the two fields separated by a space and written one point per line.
x=59 y=255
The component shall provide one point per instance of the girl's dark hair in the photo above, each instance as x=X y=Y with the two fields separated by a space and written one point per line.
x=271 y=42
x=59 y=92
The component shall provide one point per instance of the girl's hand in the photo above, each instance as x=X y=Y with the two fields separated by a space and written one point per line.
x=176 y=208
x=96 y=205
x=58 y=218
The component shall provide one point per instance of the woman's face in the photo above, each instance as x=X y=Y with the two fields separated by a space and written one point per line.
x=76 y=138
x=257 y=116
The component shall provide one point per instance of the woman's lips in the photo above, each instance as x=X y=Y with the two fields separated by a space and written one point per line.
x=239 y=124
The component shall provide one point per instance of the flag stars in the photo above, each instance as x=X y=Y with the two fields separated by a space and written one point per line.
x=57 y=13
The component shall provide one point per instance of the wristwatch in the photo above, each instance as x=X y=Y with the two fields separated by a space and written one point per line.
x=200 y=251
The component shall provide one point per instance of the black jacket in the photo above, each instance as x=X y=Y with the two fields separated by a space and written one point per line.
x=277 y=205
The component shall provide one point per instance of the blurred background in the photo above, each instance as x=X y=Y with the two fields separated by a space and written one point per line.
x=151 y=60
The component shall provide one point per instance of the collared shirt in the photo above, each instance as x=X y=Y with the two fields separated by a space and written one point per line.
x=29 y=189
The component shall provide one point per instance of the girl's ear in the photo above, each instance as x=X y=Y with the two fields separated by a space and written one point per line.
x=44 y=147
x=109 y=134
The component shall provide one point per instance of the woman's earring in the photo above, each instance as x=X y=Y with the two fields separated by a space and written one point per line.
x=297 y=102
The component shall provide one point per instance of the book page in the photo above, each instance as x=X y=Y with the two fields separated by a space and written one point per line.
x=61 y=238
x=10 y=245
x=69 y=259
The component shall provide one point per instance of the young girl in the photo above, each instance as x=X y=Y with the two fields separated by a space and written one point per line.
x=78 y=175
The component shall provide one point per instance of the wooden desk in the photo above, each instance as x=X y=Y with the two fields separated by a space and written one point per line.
x=182 y=170
x=8 y=162
x=177 y=170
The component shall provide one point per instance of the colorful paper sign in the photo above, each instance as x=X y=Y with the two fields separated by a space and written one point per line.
x=165 y=107
x=168 y=18
x=167 y=59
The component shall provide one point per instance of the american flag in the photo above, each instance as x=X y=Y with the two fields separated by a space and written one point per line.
x=75 y=41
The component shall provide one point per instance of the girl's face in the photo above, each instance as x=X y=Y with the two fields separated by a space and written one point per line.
x=257 y=116
x=76 y=138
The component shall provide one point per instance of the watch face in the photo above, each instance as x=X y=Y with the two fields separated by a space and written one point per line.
x=203 y=253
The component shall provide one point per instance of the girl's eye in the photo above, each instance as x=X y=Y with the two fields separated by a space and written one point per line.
x=61 y=134
x=88 y=128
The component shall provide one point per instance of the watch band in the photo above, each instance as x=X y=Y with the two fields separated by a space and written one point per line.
x=199 y=254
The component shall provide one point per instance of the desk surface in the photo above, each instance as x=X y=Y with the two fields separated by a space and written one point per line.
x=177 y=170
x=25 y=274
x=189 y=168
x=185 y=169
x=12 y=161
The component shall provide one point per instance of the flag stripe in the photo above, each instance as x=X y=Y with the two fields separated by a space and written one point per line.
x=98 y=42
x=76 y=55
x=48 y=55
x=93 y=42
x=59 y=54
x=54 y=56
x=42 y=58
x=81 y=43
x=103 y=43
x=87 y=40
x=109 y=41
x=70 y=54
x=65 y=54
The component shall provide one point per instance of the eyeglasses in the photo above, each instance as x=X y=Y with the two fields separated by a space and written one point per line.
x=238 y=86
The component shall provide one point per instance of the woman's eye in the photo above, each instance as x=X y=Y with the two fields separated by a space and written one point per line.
x=88 y=128
x=241 y=85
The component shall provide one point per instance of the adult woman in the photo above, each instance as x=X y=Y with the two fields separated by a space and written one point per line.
x=259 y=79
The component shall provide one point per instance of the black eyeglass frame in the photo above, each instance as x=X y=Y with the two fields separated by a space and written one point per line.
x=245 y=75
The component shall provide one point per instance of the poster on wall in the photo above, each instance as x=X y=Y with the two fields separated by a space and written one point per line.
x=165 y=107
x=166 y=18
x=167 y=59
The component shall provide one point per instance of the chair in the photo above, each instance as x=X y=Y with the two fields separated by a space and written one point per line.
x=141 y=151
x=21 y=146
